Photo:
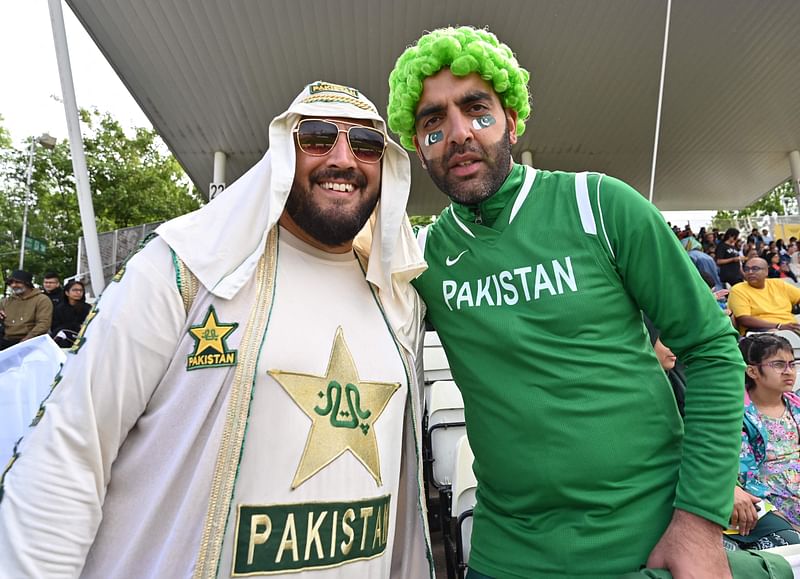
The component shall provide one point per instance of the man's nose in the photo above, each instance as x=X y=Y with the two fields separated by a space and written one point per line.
x=341 y=155
x=460 y=129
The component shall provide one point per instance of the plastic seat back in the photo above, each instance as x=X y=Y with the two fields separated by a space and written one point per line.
x=464 y=488
x=434 y=361
x=445 y=428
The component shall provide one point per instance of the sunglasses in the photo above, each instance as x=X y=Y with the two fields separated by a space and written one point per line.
x=318 y=137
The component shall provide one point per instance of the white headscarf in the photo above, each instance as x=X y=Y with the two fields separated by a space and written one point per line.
x=222 y=242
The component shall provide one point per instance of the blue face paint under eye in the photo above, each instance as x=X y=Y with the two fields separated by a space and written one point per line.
x=483 y=122
x=433 y=138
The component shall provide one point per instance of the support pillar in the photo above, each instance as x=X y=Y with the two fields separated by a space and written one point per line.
x=217 y=186
x=794 y=163
x=76 y=149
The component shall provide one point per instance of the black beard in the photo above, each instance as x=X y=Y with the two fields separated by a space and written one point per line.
x=471 y=192
x=335 y=227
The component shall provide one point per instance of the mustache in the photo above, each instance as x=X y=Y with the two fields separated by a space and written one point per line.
x=456 y=149
x=356 y=177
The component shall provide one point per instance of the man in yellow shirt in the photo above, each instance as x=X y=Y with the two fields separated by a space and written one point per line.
x=759 y=303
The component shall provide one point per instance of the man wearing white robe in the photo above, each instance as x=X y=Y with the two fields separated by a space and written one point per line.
x=241 y=400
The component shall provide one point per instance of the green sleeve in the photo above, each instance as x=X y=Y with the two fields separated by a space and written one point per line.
x=660 y=277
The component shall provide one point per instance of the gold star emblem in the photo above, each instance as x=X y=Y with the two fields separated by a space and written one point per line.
x=343 y=410
x=210 y=333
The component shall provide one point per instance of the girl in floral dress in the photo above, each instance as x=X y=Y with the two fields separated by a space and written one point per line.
x=769 y=463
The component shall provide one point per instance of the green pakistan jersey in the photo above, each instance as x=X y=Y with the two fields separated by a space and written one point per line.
x=580 y=453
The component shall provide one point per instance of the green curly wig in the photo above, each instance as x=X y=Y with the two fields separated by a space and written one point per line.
x=464 y=50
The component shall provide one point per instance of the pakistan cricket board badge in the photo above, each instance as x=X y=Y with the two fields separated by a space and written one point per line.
x=210 y=347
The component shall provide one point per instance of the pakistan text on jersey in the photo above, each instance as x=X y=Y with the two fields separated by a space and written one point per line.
x=272 y=538
x=508 y=287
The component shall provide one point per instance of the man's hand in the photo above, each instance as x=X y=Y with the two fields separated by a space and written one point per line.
x=691 y=548
x=794 y=327
x=745 y=515
x=2 y=315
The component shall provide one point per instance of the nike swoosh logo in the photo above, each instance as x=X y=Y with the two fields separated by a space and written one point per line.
x=452 y=261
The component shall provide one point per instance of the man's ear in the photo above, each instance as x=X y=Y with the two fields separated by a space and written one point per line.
x=419 y=152
x=511 y=123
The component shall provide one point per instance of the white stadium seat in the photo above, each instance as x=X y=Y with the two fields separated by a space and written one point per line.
x=445 y=428
x=792 y=554
x=463 y=500
x=434 y=361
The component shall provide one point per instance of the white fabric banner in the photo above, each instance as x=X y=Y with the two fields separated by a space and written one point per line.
x=26 y=373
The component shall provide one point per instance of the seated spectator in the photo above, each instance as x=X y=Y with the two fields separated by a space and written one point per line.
x=709 y=241
x=51 y=284
x=762 y=304
x=756 y=239
x=674 y=372
x=669 y=363
x=720 y=295
x=794 y=258
x=69 y=314
x=26 y=313
x=702 y=261
x=769 y=461
x=768 y=249
x=778 y=268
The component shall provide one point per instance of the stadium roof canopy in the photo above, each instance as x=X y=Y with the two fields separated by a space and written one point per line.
x=211 y=74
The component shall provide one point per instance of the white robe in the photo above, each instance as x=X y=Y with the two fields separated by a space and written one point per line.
x=143 y=436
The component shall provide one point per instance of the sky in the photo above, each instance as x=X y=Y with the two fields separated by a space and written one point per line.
x=30 y=98
x=29 y=73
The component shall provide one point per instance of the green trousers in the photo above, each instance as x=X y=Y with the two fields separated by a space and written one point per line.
x=744 y=565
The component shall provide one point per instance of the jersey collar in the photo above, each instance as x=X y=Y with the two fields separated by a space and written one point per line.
x=488 y=210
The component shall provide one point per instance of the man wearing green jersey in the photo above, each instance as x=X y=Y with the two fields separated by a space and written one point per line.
x=536 y=284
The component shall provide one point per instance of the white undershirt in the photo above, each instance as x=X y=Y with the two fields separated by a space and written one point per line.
x=316 y=293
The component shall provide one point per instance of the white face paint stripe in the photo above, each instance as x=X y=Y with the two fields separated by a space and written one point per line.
x=527 y=185
x=483 y=122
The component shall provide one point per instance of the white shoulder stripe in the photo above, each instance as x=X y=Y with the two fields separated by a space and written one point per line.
x=527 y=184
x=584 y=205
x=458 y=221
x=602 y=223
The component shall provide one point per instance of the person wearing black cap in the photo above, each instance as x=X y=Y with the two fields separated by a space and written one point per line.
x=26 y=313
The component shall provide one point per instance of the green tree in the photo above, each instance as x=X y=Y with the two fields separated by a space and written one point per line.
x=776 y=201
x=133 y=179
x=421 y=220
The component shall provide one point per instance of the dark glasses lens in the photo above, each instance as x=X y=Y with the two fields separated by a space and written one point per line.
x=317 y=138
x=367 y=144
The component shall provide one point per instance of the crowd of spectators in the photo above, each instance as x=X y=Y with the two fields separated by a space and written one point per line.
x=28 y=311
x=756 y=268
x=729 y=250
